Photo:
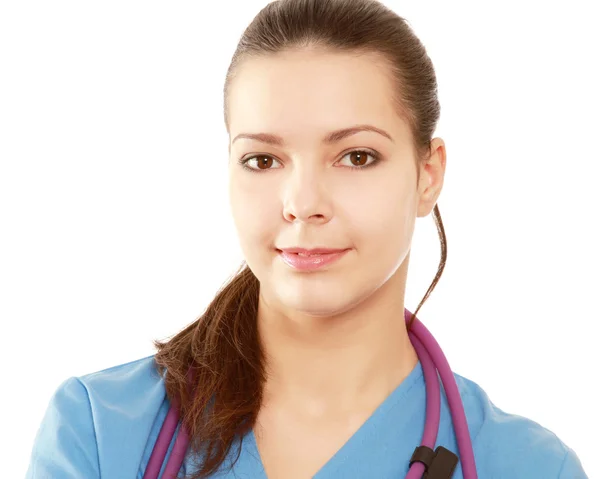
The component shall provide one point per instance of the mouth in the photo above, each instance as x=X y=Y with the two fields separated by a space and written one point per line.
x=310 y=260
x=310 y=255
x=311 y=251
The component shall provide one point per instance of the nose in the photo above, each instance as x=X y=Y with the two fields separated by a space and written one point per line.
x=305 y=196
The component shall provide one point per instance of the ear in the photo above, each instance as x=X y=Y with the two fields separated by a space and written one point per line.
x=431 y=180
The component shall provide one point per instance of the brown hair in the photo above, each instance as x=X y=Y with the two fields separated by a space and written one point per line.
x=222 y=348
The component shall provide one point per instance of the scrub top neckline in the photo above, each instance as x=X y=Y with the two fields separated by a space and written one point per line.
x=353 y=445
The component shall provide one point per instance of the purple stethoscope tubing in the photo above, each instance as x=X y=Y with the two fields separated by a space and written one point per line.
x=431 y=358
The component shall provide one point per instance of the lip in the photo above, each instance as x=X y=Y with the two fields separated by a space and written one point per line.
x=321 y=257
x=313 y=250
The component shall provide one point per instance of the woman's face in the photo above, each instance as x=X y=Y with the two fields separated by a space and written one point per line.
x=302 y=191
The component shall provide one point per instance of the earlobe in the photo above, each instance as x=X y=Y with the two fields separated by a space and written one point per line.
x=427 y=202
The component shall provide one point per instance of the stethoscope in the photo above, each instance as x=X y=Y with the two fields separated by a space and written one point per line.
x=425 y=463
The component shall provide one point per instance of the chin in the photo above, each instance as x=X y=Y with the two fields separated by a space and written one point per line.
x=318 y=301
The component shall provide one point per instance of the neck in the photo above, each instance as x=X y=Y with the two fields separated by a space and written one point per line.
x=351 y=361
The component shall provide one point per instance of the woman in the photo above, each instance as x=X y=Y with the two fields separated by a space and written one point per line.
x=303 y=366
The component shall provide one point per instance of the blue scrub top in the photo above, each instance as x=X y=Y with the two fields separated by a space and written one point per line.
x=105 y=424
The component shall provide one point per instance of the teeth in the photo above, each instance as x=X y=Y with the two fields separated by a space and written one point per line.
x=306 y=254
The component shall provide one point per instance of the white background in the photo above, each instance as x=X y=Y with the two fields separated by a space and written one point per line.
x=115 y=226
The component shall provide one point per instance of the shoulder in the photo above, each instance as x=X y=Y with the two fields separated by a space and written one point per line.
x=510 y=445
x=127 y=401
x=123 y=395
x=126 y=383
x=99 y=421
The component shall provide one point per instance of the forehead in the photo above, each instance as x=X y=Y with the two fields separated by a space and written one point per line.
x=303 y=93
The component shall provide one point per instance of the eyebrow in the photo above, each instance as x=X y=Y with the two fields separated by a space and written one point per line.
x=330 y=138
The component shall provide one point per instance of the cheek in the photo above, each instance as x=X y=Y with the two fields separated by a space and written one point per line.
x=382 y=218
x=254 y=212
x=386 y=197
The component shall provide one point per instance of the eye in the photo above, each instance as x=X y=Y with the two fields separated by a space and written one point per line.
x=263 y=162
x=360 y=158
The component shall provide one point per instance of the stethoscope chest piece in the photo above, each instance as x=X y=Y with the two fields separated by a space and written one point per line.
x=438 y=465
